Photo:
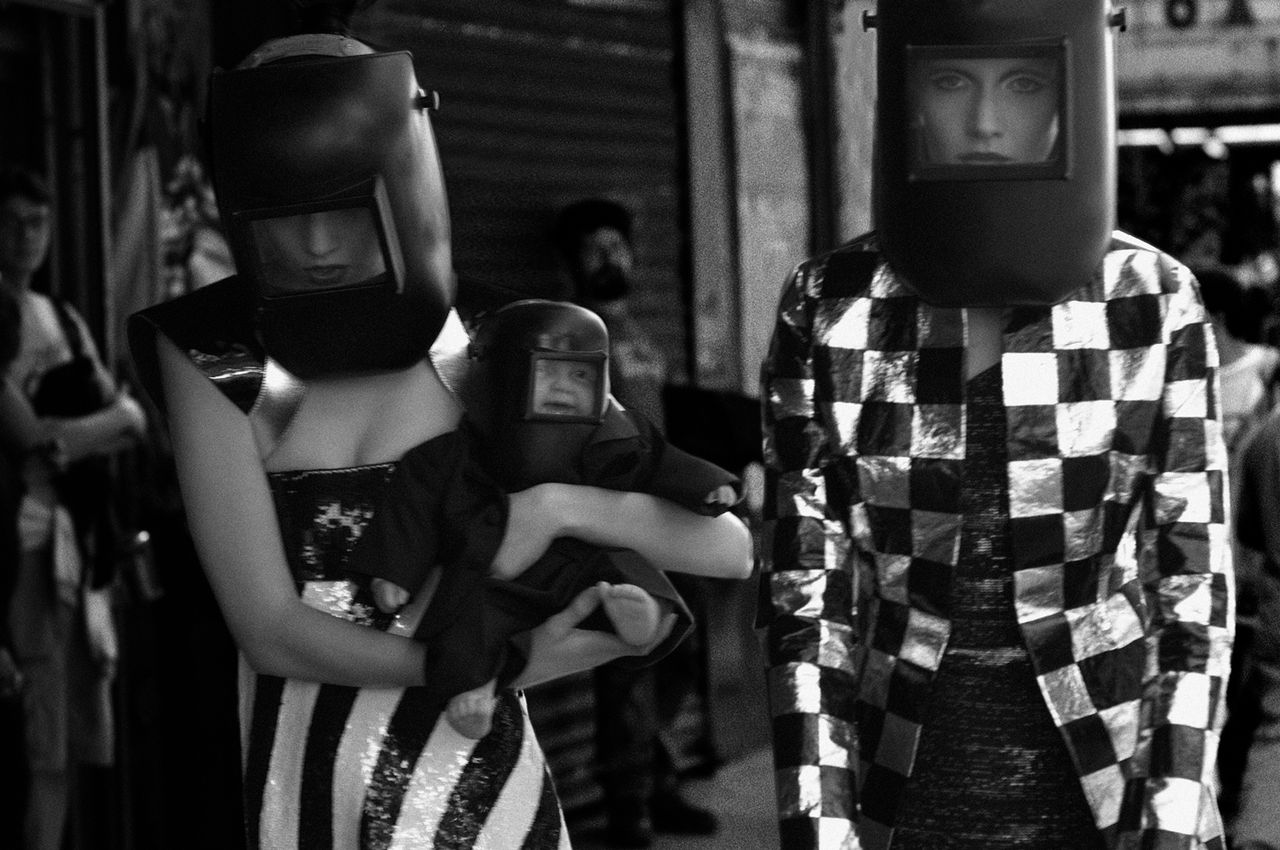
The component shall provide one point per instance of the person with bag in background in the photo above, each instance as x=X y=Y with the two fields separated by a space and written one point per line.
x=13 y=767
x=64 y=413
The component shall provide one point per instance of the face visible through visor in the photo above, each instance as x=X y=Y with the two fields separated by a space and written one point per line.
x=338 y=244
x=987 y=112
x=566 y=386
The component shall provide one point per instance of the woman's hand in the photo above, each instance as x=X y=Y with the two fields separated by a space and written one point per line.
x=133 y=419
x=559 y=648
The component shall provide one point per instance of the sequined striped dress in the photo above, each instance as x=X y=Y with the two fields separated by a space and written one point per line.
x=329 y=766
x=991 y=769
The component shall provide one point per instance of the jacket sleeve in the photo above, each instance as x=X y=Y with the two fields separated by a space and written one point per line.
x=402 y=540
x=808 y=591
x=1186 y=572
x=684 y=478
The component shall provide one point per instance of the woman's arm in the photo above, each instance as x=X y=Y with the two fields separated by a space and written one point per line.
x=117 y=426
x=20 y=429
x=233 y=523
x=667 y=535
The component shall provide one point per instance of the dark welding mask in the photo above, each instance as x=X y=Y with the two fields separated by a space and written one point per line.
x=995 y=147
x=329 y=183
x=539 y=387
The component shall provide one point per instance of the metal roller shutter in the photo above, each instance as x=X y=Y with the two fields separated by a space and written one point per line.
x=543 y=103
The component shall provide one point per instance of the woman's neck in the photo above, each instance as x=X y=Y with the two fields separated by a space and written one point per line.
x=984 y=339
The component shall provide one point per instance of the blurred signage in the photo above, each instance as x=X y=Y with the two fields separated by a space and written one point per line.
x=1199 y=56
x=71 y=7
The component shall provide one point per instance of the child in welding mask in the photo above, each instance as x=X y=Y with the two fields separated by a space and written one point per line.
x=538 y=411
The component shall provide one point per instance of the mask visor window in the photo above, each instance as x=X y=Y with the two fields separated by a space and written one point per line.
x=988 y=112
x=566 y=386
x=343 y=243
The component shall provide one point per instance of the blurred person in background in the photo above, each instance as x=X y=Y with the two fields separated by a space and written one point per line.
x=13 y=450
x=1249 y=756
x=1248 y=368
x=636 y=748
x=1251 y=743
x=62 y=410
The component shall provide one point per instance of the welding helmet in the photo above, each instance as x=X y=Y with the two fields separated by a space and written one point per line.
x=995 y=163
x=539 y=387
x=329 y=183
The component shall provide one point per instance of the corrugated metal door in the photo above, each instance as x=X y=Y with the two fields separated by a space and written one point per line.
x=544 y=102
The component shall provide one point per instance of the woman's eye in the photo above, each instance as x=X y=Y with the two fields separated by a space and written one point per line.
x=1025 y=84
x=948 y=81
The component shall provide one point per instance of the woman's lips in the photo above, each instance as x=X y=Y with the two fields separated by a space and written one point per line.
x=326 y=274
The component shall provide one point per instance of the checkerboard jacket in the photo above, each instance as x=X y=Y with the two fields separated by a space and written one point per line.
x=1123 y=587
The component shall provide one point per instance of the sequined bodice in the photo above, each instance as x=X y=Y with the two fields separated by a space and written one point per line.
x=330 y=765
x=322 y=513
x=335 y=765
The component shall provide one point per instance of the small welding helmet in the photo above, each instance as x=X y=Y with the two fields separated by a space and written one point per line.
x=539 y=386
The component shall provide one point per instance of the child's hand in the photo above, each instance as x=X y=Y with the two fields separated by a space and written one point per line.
x=723 y=496
x=387 y=596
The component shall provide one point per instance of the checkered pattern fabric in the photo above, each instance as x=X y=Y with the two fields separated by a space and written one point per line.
x=1123 y=587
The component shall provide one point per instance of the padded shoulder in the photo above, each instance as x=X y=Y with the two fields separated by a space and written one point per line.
x=846 y=271
x=214 y=327
x=1159 y=271
x=861 y=251
x=1121 y=241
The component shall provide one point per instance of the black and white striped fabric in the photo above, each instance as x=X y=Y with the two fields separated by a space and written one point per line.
x=337 y=767
x=328 y=766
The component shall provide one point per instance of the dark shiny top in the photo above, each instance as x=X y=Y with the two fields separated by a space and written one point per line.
x=322 y=514
x=991 y=769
